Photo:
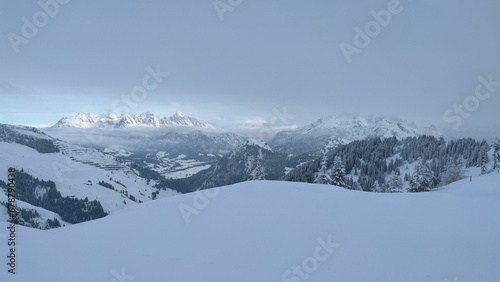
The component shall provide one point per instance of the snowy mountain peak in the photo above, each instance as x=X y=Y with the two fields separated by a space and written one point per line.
x=147 y=115
x=347 y=127
x=355 y=125
x=178 y=115
x=258 y=143
x=115 y=120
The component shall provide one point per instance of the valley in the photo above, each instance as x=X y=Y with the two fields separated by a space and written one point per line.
x=122 y=167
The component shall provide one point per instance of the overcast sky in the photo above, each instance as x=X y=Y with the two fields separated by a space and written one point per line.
x=249 y=57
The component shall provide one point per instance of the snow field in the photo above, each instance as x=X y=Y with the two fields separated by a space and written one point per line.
x=273 y=231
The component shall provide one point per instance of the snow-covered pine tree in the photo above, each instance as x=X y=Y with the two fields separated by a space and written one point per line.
x=355 y=186
x=407 y=177
x=395 y=182
x=338 y=172
x=349 y=182
x=484 y=169
x=422 y=178
x=428 y=177
x=258 y=173
x=483 y=153
x=322 y=176
x=380 y=187
x=453 y=171
x=414 y=187
x=496 y=154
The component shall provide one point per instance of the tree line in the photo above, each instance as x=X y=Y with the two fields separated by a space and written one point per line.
x=44 y=194
x=375 y=164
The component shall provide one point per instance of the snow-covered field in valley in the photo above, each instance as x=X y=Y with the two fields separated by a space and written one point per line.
x=277 y=231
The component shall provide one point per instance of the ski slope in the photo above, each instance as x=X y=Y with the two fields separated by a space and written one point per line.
x=277 y=231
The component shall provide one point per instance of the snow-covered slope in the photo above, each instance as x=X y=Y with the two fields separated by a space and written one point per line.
x=147 y=119
x=276 y=231
x=38 y=222
x=75 y=170
x=77 y=173
x=346 y=127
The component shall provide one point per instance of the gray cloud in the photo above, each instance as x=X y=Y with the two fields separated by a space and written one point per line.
x=261 y=56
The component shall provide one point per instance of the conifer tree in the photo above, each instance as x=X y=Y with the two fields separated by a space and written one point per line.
x=496 y=154
x=322 y=176
x=338 y=172
x=422 y=178
x=454 y=171
x=484 y=170
x=395 y=182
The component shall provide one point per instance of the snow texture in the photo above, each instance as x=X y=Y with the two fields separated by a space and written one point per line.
x=268 y=231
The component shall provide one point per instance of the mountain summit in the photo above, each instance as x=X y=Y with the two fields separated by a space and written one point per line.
x=147 y=119
x=344 y=128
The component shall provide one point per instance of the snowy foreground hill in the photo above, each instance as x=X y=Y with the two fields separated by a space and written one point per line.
x=277 y=231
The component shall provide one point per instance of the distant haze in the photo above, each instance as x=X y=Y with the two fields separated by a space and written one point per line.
x=279 y=63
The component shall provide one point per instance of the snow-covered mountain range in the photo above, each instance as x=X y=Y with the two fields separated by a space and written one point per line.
x=152 y=154
x=147 y=119
x=344 y=128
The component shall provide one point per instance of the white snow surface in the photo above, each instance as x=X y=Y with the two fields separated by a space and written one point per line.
x=263 y=230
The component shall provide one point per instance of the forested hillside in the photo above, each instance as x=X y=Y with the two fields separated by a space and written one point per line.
x=44 y=194
x=37 y=140
x=383 y=164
